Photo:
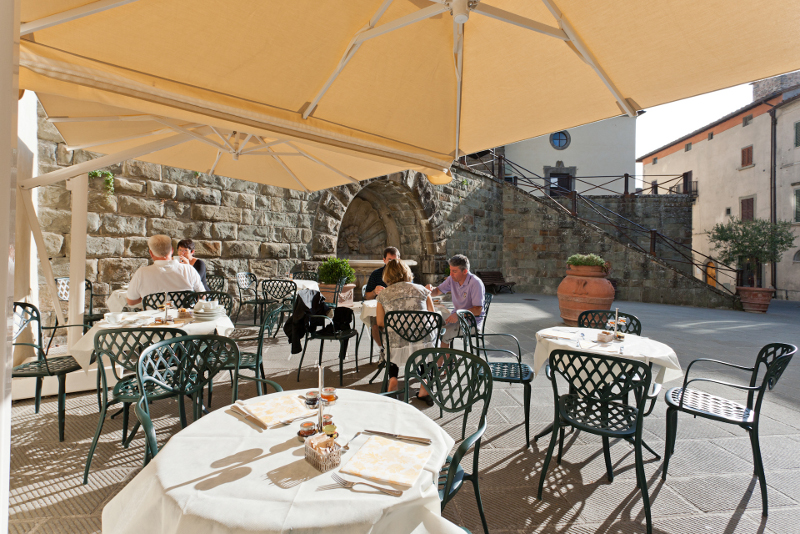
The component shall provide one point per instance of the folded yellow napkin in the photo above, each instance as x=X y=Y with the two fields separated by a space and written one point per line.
x=272 y=411
x=389 y=461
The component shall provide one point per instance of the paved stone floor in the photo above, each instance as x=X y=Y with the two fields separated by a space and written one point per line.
x=710 y=487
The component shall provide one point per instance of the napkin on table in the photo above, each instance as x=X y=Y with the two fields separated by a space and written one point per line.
x=389 y=461
x=272 y=411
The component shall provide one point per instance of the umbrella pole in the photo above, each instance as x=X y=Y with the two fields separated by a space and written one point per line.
x=77 y=256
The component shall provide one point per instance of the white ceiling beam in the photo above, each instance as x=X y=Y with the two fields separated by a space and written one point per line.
x=71 y=14
x=522 y=22
x=458 y=45
x=326 y=165
x=352 y=48
x=104 y=118
x=402 y=22
x=128 y=138
x=181 y=129
x=288 y=170
x=587 y=56
x=263 y=144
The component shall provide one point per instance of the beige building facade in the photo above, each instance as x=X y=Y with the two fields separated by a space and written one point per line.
x=728 y=166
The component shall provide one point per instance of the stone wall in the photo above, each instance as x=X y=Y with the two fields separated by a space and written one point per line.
x=538 y=238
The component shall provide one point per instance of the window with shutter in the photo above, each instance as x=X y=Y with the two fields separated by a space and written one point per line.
x=747 y=209
x=797 y=134
x=687 y=147
x=747 y=120
x=797 y=205
x=747 y=156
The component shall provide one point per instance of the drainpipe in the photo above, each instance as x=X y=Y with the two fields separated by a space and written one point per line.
x=773 y=212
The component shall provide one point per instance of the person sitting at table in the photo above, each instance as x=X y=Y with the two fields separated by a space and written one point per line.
x=468 y=293
x=186 y=255
x=401 y=294
x=165 y=274
x=375 y=285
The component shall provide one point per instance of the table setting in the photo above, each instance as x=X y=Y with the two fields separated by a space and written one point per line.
x=368 y=464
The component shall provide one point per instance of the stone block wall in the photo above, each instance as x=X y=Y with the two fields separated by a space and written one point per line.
x=538 y=239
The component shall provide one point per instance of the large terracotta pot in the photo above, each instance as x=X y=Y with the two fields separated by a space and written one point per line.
x=345 y=297
x=584 y=288
x=755 y=299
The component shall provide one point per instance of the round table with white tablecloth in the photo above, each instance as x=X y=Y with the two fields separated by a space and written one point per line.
x=666 y=366
x=224 y=475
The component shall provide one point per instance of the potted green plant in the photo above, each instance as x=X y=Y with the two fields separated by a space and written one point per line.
x=330 y=272
x=752 y=244
x=585 y=287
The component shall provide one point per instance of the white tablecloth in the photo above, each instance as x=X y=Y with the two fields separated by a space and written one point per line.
x=666 y=366
x=82 y=350
x=222 y=475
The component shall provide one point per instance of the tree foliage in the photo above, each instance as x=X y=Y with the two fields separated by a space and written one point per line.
x=334 y=269
x=759 y=240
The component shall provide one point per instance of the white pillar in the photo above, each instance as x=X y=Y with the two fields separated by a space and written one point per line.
x=9 y=95
x=77 y=255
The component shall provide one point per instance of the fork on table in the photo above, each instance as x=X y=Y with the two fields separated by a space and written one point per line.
x=348 y=484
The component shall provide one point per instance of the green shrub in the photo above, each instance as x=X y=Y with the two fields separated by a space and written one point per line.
x=759 y=240
x=335 y=268
x=586 y=259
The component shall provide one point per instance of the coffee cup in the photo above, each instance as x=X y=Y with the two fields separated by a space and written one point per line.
x=113 y=317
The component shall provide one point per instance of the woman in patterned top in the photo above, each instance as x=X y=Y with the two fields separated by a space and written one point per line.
x=401 y=294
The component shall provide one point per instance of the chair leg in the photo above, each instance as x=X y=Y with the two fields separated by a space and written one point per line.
x=480 y=502
x=94 y=443
x=38 y=401
x=211 y=391
x=669 y=445
x=377 y=372
x=342 y=353
x=182 y=411
x=547 y=430
x=131 y=435
x=641 y=479
x=527 y=397
x=62 y=405
x=758 y=468
x=560 y=445
x=125 y=418
x=607 y=455
x=549 y=456
x=99 y=398
x=303 y=355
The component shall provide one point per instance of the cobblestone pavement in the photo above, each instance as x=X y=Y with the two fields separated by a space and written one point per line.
x=710 y=487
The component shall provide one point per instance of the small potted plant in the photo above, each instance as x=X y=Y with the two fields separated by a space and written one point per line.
x=330 y=272
x=750 y=245
x=585 y=287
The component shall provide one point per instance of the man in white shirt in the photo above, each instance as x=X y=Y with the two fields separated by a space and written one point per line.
x=165 y=274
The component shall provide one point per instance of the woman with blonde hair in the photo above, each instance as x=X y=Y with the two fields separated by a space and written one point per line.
x=401 y=294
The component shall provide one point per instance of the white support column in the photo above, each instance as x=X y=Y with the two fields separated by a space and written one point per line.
x=77 y=255
x=9 y=95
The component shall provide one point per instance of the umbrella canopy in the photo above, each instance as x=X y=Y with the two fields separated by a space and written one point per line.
x=392 y=83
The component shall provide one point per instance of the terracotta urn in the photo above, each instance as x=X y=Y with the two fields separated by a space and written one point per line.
x=345 y=297
x=584 y=288
x=755 y=299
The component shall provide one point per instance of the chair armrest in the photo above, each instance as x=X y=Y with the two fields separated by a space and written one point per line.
x=686 y=376
x=26 y=345
x=519 y=350
x=65 y=326
x=720 y=382
x=265 y=381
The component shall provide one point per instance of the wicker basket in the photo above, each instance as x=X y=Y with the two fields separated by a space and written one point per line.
x=323 y=462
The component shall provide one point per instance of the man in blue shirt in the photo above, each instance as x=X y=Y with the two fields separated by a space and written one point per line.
x=375 y=285
x=468 y=292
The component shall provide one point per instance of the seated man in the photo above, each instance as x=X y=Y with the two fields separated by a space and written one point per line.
x=375 y=285
x=468 y=293
x=165 y=274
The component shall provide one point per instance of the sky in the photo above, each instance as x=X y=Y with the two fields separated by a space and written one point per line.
x=665 y=123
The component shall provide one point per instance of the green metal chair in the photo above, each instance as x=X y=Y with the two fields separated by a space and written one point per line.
x=338 y=291
x=45 y=365
x=121 y=348
x=215 y=283
x=487 y=301
x=511 y=372
x=89 y=316
x=247 y=284
x=411 y=326
x=342 y=336
x=774 y=357
x=596 y=403
x=306 y=275
x=600 y=318
x=254 y=360
x=457 y=381
x=179 y=299
x=224 y=299
x=280 y=292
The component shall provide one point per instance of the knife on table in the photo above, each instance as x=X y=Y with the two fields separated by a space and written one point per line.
x=424 y=441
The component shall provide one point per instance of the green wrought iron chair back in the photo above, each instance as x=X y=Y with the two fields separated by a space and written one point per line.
x=278 y=290
x=413 y=326
x=336 y=292
x=185 y=365
x=600 y=318
x=487 y=301
x=123 y=346
x=600 y=377
x=62 y=291
x=215 y=282
x=246 y=282
x=775 y=357
x=306 y=275
x=25 y=315
x=179 y=299
x=271 y=319
x=225 y=300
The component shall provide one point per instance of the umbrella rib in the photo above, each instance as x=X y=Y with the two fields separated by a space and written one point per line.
x=458 y=37
x=181 y=129
x=522 y=22
x=127 y=138
x=216 y=161
x=288 y=170
x=326 y=165
x=587 y=56
x=107 y=118
x=70 y=14
x=224 y=139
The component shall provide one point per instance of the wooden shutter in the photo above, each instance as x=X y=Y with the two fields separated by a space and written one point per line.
x=747 y=156
x=797 y=134
x=747 y=209
x=797 y=205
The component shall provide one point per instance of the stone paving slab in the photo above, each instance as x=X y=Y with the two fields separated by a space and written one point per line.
x=710 y=487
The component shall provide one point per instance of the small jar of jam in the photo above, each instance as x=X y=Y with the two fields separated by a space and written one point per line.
x=328 y=394
x=307 y=429
x=327 y=419
x=312 y=398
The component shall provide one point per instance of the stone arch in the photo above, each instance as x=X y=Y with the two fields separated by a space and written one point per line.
x=402 y=207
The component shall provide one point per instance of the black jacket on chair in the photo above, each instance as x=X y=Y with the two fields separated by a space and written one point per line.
x=299 y=323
